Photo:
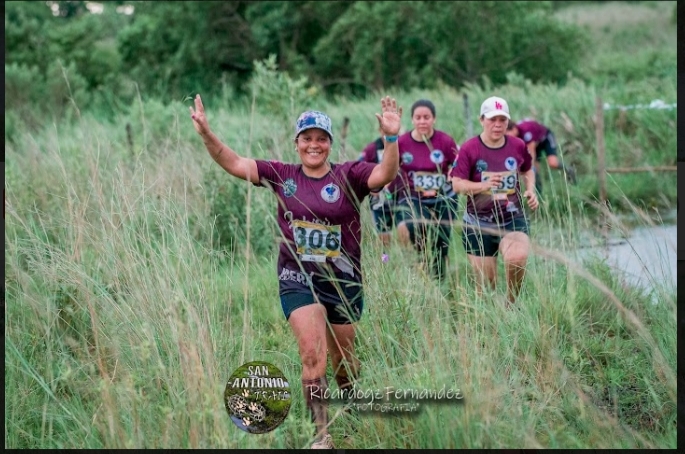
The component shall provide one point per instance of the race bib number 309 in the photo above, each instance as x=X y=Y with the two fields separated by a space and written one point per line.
x=316 y=242
x=506 y=187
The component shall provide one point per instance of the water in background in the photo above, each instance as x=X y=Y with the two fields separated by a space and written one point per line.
x=647 y=258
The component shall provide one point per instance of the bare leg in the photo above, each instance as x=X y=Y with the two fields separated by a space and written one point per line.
x=340 y=339
x=403 y=234
x=514 y=248
x=553 y=162
x=309 y=326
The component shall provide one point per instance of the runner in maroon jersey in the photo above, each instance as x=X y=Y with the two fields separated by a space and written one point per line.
x=488 y=172
x=319 y=261
x=382 y=203
x=540 y=139
x=426 y=157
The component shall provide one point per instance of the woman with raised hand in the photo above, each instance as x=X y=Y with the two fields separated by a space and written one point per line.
x=319 y=261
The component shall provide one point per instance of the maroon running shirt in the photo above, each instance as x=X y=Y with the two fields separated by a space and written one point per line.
x=318 y=218
x=530 y=130
x=424 y=168
x=477 y=162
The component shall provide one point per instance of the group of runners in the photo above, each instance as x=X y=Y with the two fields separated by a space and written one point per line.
x=413 y=181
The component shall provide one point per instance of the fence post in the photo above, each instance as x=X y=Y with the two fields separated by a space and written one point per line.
x=467 y=116
x=343 y=136
x=601 y=166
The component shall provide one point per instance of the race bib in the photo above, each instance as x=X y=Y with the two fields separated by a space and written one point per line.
x=316 y=242
x=426 y=181
x=505 y=188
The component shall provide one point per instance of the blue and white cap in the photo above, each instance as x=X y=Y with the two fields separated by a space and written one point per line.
x=313 y=119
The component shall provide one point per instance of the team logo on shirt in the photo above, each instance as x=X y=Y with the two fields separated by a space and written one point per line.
x=289 y=187
x=437 y=157
x=527 y=137
x=481 y=166
x=407 y=157
x=510 y=163
x=330 y=193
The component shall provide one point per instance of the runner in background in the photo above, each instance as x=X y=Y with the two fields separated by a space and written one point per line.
x=488 y=173
x=427 y=204
x=540 y=139
x=382 y=203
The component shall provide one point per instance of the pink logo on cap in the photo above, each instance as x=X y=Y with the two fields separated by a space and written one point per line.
x=498 y=105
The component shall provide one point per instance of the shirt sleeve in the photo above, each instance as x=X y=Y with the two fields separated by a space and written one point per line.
x=358 y=177
x=462 y=166
x=369 y=153
x=268 y=172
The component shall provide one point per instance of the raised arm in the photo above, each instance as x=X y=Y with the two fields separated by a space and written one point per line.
x=389 y=122
x=234 y=164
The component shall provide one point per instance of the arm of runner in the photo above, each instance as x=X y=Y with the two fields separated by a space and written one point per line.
x=244 y=168
x=389 y=121
x=468 y=187
x=529 y=194
x=532 y=149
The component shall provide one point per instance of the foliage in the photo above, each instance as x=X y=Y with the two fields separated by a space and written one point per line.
x=172 y=50
x=380 y=45
x=176 y=49
x=276 y=92
x=139 y=274
x=291 y=30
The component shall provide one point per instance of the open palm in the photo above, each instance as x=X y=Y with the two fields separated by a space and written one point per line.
x=389 y=121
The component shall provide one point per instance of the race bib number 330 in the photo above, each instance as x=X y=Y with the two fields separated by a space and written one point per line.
x=316 y=242
x=425 y=181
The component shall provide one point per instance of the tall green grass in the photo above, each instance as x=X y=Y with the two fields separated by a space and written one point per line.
x=125 y=317
x=139 y=276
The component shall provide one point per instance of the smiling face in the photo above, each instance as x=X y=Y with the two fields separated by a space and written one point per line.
x=494 y=128
x=314 y=146
x=423 y=121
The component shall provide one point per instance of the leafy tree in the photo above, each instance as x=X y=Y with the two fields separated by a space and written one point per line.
x=368 y=48
x=26 y=41
x=410 y=44
x=174 y=49
x=85 y=43
x=494 y=38
x=291 y=30
x=69 y=9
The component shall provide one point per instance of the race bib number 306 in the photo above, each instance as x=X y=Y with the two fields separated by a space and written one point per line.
x=506 y=187
x=425 y=181
x=316 y=242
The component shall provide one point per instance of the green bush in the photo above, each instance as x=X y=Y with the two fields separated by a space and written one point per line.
x=25 y=98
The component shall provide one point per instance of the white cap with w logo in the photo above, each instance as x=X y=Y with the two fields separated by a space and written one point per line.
x=493 y=107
